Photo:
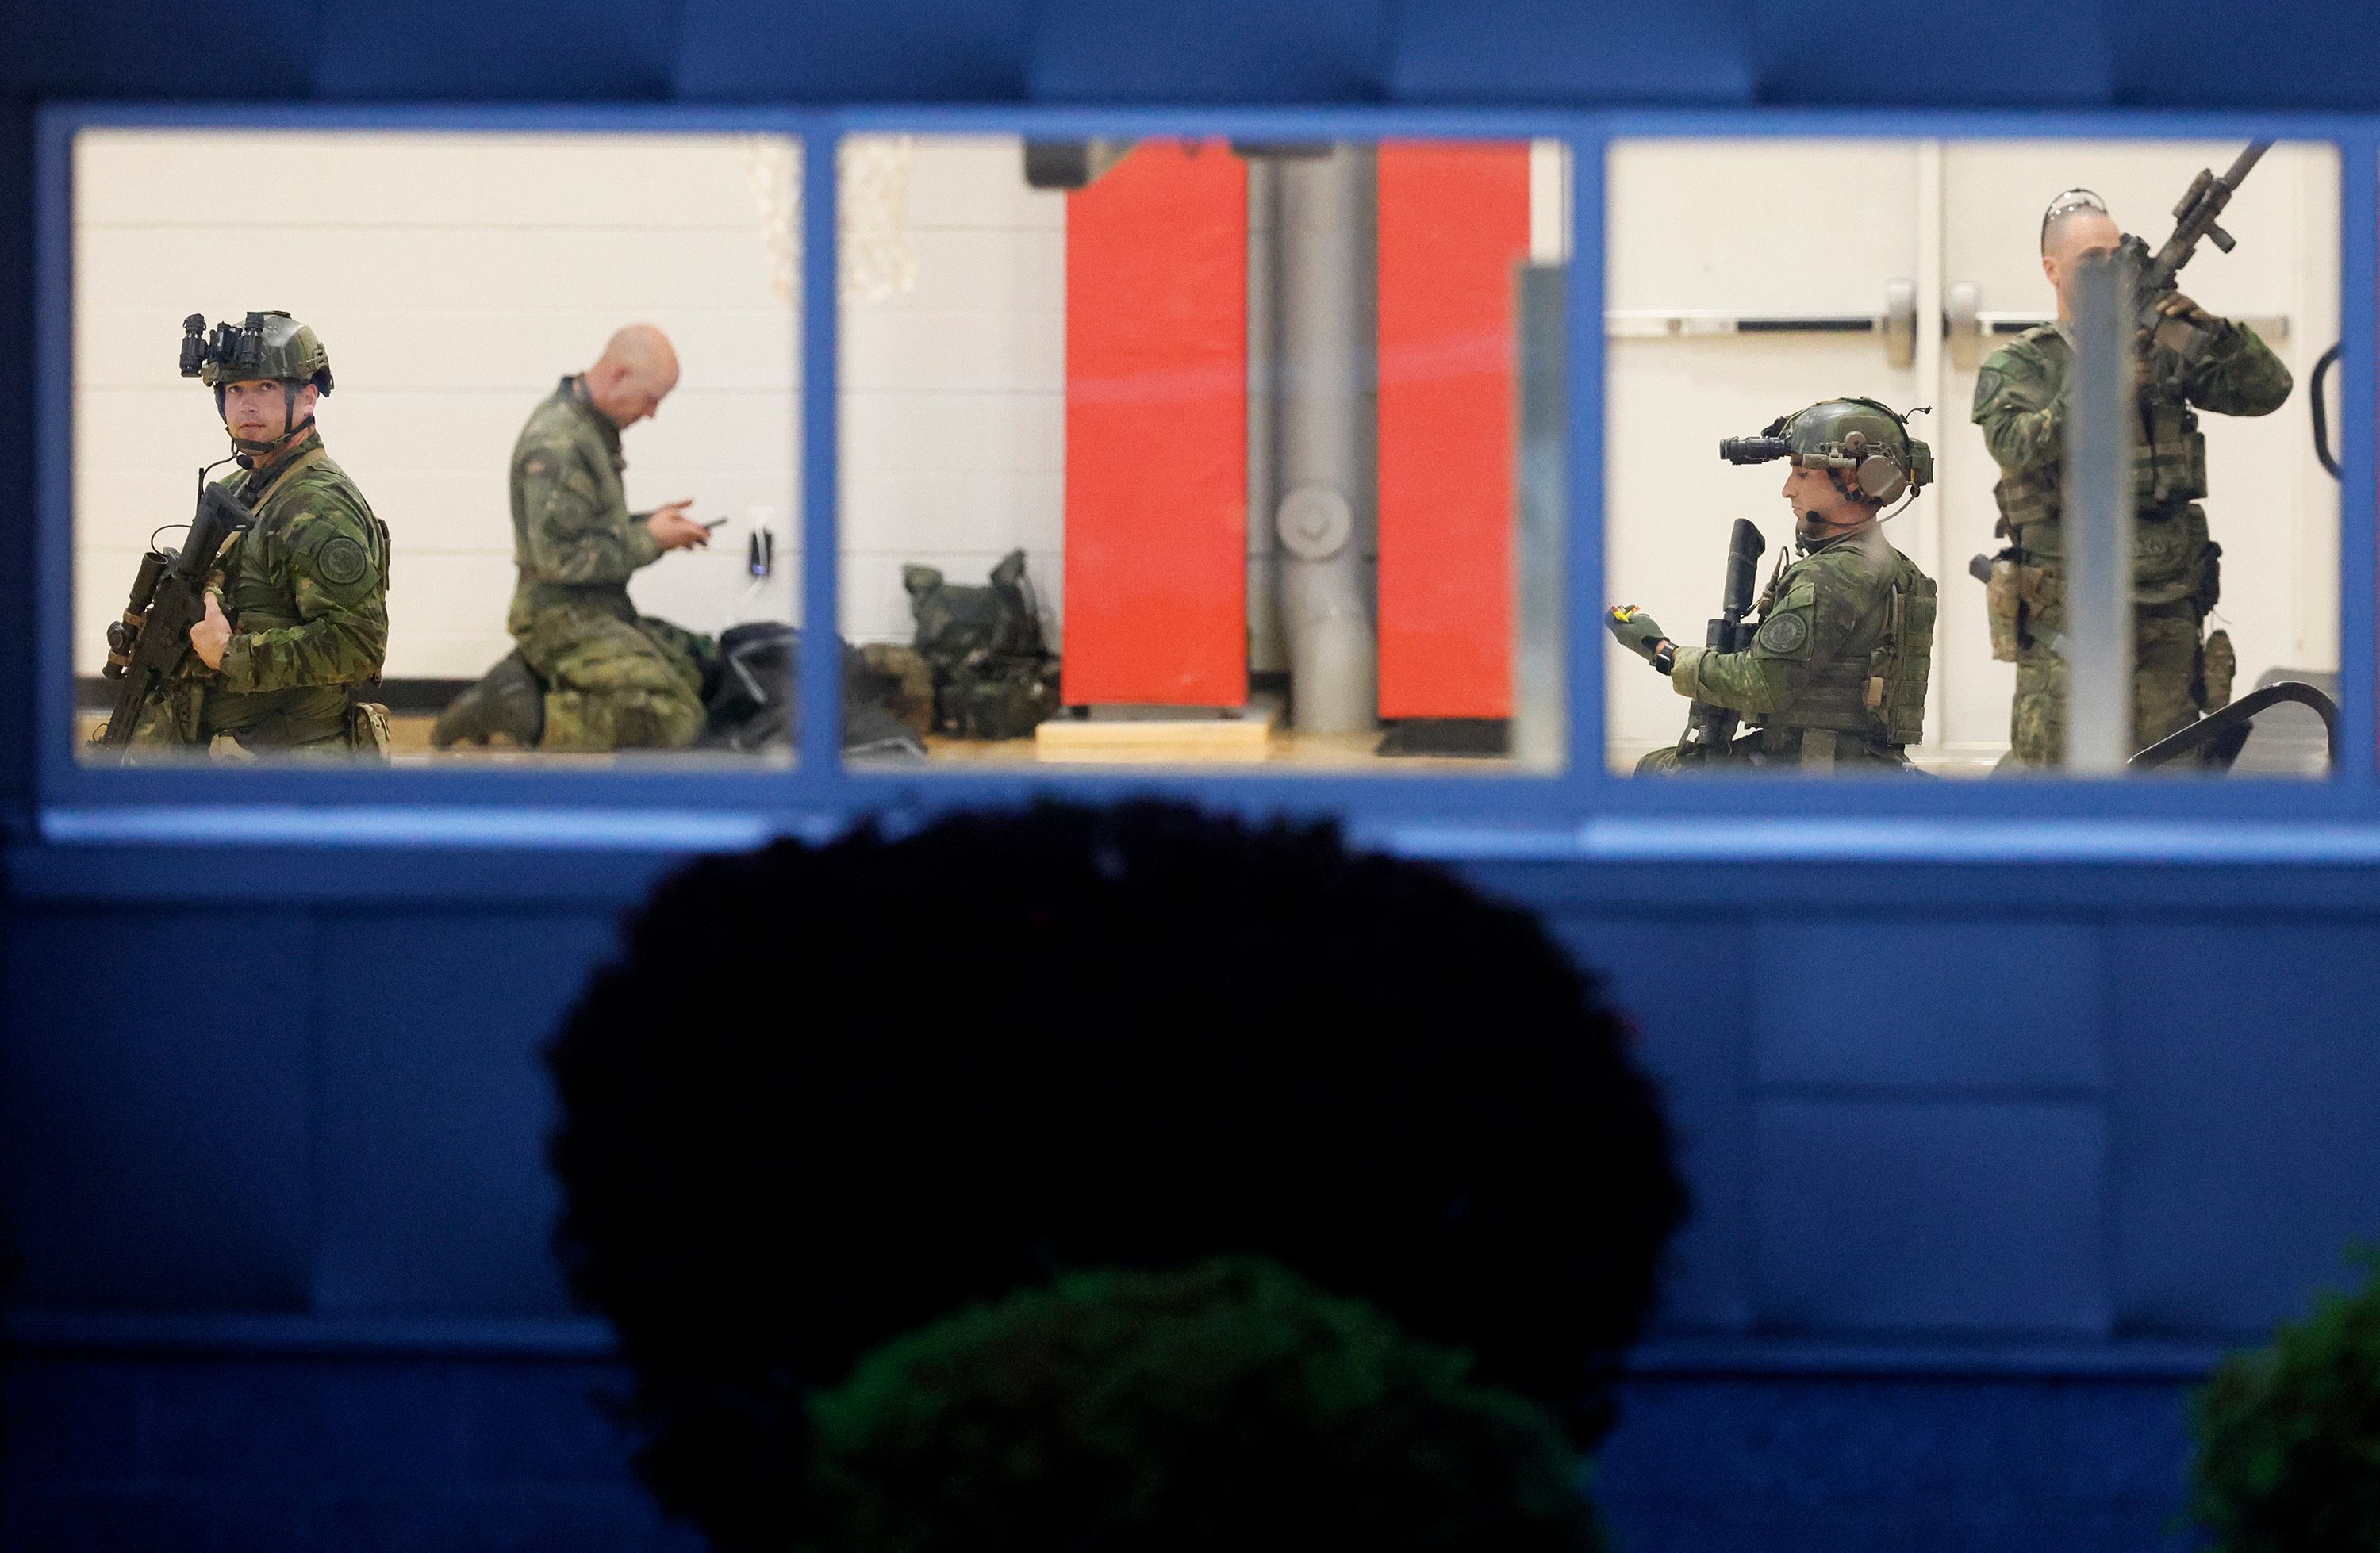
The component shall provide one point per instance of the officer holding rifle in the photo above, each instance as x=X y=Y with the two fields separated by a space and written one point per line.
x=2188 y=360
x=295 y=623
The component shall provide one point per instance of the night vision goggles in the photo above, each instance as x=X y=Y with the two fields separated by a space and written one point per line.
x=263 y=345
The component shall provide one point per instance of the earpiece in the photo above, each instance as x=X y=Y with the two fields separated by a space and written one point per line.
x=1880 y=478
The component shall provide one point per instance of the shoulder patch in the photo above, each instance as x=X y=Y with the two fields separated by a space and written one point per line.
x=342 y=562
x=1987 y=386
x=1783 y=634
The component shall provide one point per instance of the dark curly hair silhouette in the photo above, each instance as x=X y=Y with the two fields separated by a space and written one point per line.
x=831 y=1093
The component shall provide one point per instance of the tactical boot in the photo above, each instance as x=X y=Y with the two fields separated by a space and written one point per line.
x=508 y=700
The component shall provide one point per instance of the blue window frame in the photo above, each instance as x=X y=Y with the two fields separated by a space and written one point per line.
x=1581 y=811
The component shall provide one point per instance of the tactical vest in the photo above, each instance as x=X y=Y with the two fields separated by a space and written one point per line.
x=2168 y=474
x=994 y=675
x=1874 y=687
x=259 y=597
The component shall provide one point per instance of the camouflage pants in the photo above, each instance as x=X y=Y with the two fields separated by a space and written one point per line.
x=191 y=714
x=2164 y=681
x=614 y=684
x=1777 y=748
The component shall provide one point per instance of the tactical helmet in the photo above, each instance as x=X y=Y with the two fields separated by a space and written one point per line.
x=1868 y=440
x=265 y=345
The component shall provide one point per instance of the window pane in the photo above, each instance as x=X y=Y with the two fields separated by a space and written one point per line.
x=1205 y=453
x=1753 y=282
x=468 y=292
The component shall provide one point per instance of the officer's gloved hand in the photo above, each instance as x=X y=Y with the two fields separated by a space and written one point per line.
x=2175 y=305
x=2183 y=327
x=1636 y=630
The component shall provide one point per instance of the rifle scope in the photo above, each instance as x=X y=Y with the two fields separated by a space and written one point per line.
x=1753 y=450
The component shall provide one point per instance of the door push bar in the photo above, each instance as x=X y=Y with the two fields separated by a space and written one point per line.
x=1966 y=324
x=1897 y=322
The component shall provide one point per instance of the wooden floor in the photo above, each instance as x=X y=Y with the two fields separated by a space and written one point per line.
x=409 y=745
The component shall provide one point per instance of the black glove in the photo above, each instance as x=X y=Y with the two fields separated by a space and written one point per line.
x=2183 y=327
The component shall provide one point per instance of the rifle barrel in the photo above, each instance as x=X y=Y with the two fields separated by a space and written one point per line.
x=2246 y=159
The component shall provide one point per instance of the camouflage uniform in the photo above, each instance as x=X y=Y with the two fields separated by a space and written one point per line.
x=305 y=592
x=1836 y=673
x=615 y=680
x=2020 y=402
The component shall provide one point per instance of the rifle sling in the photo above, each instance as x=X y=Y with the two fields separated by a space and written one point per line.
x=305 y=460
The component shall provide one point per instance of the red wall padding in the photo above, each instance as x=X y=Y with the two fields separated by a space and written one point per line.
x=1157 y=426
x=1455 y=223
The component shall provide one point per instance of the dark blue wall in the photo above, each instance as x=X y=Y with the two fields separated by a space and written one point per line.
x=337 y=1452
x=2197 y=53
x=1909 y=1109
x=1988 y=1163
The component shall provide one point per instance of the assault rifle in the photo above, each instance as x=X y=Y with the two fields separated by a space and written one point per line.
x=168 y=598
x=1709 y=728
x=2194 y=220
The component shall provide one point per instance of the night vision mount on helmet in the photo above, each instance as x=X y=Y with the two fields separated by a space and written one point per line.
x=1868 y=440
x=265 y=347
x=267 y=344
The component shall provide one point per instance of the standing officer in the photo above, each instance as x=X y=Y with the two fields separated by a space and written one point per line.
x=2020 y=402
x=590 y=674
x=297 y=626
x=1836 y=672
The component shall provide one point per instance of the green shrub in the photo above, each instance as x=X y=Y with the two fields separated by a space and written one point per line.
x=2288 y=1457
x=1226 y=1407
x=1062 y=1039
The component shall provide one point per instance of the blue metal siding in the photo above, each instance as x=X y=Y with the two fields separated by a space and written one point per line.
x=1687 y=986
x=155 y=1107
x=2124 y=1122
x=2247 y=1129
x=1973 y=1005
x=434 y=1195
x=1932 y=1215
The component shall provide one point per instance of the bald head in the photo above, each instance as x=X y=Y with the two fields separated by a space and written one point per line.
x=2073 y=238
x=635 y=373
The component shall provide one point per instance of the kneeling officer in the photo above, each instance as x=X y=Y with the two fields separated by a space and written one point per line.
x=1834 y=672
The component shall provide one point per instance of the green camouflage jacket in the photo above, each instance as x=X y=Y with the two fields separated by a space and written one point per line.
x=307 y=589
x=1850 y=611
x=2020 y=402
x=575 y=541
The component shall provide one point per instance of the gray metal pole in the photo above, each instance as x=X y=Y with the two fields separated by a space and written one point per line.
x=2098 y=524
x=1268 y=646
x=1328 y=354
x=1540 y=696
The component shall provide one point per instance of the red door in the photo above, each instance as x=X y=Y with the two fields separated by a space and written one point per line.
x=1157 y=426
x=1454 y=226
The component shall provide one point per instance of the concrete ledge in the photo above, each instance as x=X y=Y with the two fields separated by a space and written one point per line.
x=56 y=1332
x=60 y=1332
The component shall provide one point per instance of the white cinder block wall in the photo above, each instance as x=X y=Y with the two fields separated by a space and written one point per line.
x=954 y=412
x=453 y=278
